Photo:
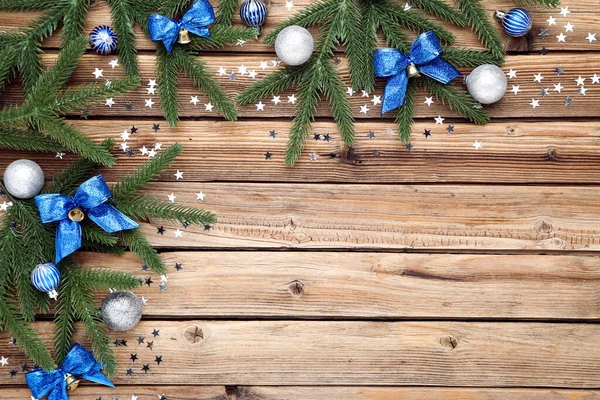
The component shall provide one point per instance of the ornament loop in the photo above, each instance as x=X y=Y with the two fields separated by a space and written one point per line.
x=499 y=15
x=76 y=215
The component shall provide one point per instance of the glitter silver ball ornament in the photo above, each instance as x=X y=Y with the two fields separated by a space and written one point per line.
x=294 y=45
x=487 y=83
x=121 y=310
x=23 y=179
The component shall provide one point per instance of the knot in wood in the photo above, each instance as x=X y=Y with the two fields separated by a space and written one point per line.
x=511 y=130
x=193 y=334
x=449 y=341
x=544 y=226
x=552 y=155
x=296 y=288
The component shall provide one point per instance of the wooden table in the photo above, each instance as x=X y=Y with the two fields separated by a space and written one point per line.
x=443 y=272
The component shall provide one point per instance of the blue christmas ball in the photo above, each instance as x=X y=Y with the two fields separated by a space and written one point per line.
x=46 y=278
x=516 y=22
x=253 y=13
x=103 y=39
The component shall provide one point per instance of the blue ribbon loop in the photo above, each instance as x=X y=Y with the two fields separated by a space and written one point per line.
x=424 y=53
x=79 y=362
x=92 y=198
x=196 y=20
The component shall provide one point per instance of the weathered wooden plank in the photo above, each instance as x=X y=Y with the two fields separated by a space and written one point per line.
x=351 y=353
x=312 y=393
x=367 y=285
x=511 y=106
x=583 y=14
x=519 y=152
x=423 y=217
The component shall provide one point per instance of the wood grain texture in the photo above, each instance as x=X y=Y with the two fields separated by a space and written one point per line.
x=583 y=12
x=367 y=285
x=419 y=217
x=510 y=106
x=352 y=353
x=513 y=152
x=313 y=393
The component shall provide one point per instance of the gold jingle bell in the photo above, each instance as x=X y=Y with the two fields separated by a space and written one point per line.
x=72 y=383
x=184 y=36
x=76 y=215
x=413 y=71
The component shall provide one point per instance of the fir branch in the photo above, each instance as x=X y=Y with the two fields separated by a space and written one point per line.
x=30 y=5
x=224 y=14
x=27 y=140
x=457 y=100
x=404 y=114
x=273 y=84
x=333 y=87
x=466 y=58
x=538 y=3
x=58 y=74
x=315 y=13
x=145 y=208
x=74 y=20
x=97 y=331
x=308 y=100
x=84 y=95
x=441 y=10
x=27 y=338
x=138 y=180
x=74 y=140
x=98 y=279
x=8 y=60
x=67 y=181
x=166 y=73
x=123 y=26
x=361 y=39
x=413 y=21
x=64 y=315
x=140 y=246
x=196 y=71
x=221 y=36
x=93 y=233
x=394 y=36
x=100 y=248
x=479 y=20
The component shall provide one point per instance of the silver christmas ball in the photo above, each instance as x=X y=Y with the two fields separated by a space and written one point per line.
x=121 y=310
x=294 y=45
x=23 y=179
x=487 y=83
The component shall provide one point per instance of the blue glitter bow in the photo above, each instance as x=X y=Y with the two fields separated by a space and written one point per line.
x=91 y=198
x=425 y=54
x=79 y=363
x=195 y=20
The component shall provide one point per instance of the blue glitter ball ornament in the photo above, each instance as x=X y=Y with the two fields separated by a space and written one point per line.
x=46 y=278
x=253 y=13
x=103 y=39
x=516 y=22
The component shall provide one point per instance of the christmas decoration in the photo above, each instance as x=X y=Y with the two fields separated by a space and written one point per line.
x=195 y=20
x=253 y=13
x=24 y=241
x=121 y=310
x=46 y=278
x=423 y=58
x=91 y=199
x=103 y=40
x=487 y=83
x=78 y=364
x=516 y=22
x=294 y=45
x=23 y=178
